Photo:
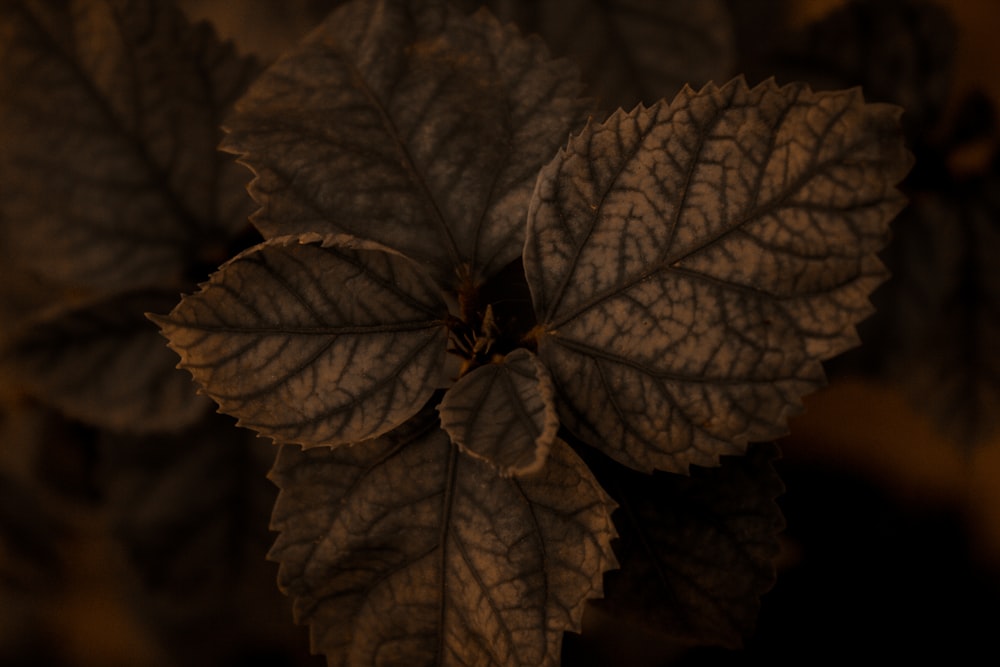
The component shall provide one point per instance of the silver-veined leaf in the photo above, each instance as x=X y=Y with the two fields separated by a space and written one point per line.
x=692 y=263
x=314 y=340
x=411 y=124
x=504 y=413
x=404 y=552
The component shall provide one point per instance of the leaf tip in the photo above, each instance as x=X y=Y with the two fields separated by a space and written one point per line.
x=162 y=321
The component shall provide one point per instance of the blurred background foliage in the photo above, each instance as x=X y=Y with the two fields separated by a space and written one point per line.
x=892 y=543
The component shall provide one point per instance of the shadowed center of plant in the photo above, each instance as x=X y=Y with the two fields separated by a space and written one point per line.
x=496 y=318
x=212 y=249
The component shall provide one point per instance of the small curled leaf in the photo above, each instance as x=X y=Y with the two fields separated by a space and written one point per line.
x=312 y=341
x=692 y=263
x=504 y=413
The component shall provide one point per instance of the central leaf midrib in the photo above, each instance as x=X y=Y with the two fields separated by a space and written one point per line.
x=446 y=509
x=600 y=353
x=379 y=385
x=671 y=263
x=314 y=330
x=488 y=200
x=596 y=217
x=406 y=161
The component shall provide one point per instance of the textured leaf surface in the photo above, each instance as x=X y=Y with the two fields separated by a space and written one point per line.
x=410 y=124
x=316 y=341
x=403 y=551
x=504 y=413
x=106 y=365
x=696 y=552
x=692 y=263
x=633 y=50
x=109 y=124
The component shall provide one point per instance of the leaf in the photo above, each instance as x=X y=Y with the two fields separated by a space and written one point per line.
x=106 y=365
x=314 y=340
x=409 y=124
x=692 y=263
x=109 y=122
x=504 y=413
x=633 y=50
x=696 y=552
x=402 y=551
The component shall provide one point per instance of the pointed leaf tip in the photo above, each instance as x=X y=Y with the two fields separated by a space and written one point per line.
x=694 y=262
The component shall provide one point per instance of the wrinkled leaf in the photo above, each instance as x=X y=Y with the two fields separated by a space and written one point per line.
x=410 y=124
x=314 y=340
x=106 y=365
x=403 y=551
x=692 y=263
x=109 y=124
x=504 y=413
x=633 y=50
x=696 y=552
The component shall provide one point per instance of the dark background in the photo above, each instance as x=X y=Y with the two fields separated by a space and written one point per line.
x=892 y=548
